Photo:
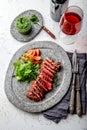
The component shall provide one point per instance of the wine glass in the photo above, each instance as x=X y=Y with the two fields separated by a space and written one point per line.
x=70 y=24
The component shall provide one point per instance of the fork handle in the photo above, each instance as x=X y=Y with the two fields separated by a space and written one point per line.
x=78 y=103
x=72 y=100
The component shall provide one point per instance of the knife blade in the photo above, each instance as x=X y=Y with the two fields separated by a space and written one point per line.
x=74 y=71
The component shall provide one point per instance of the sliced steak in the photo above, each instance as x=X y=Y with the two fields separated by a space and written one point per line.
x=45 y=63
x=47 y=84
x=39 y=88
x=38 y=92
x=50 y=65
x=48 y=68
x=32 y=96
x=56 y=64
x=33 y=90
x=44 y=70
x=42 y=85
x=46 y=77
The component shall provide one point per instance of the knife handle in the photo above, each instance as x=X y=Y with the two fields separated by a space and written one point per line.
x=72 y=100
x=78 y=98
x=49 y=32
x=78 y=103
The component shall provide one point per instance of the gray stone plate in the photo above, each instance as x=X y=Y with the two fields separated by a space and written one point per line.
x=35 y=27
x=15 y=90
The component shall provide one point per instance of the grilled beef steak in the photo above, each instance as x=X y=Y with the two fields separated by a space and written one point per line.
x=44 y=81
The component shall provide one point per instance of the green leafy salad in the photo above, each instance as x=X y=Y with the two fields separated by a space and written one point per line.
x=26 y=71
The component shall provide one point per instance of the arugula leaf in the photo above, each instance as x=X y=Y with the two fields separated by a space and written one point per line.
x=37 y=66
x=17 y=63
x=26 y=71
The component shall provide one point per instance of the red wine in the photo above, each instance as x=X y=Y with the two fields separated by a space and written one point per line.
x=70 y=23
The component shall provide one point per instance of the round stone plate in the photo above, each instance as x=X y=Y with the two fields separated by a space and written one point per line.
x=16 y=90
x=35 y=27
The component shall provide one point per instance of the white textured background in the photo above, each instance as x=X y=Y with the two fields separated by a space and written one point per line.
x=12 y=118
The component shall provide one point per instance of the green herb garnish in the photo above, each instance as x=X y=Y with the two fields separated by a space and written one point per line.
x=34 y=19
x=56 y=79
x=26 y=71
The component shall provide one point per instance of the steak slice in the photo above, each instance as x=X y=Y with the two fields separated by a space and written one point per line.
x=48 y=68
x=44 y=70
x=33 y=90
x=33 y=97
x=39 y=88
x=38 y=92
x=36 y=85
x=42 y=85
x=50 y=65
x=48 y=84
x=56 y=64
x=46 y=77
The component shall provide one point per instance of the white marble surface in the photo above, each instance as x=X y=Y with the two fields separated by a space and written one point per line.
x=12 y=118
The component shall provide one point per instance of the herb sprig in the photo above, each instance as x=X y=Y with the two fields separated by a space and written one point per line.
x=34 y=19
x=56 y=79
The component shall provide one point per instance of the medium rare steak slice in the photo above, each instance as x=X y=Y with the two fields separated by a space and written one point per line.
x=32 y=96
x=33 y=90
x=44 y=70
x=48 y=68
x=46 y=77
x=50 y=65
x=56 y=64
x=49 y=60
x=38 y=88
x=47 y=84
x=38 y=92
x=42 y=85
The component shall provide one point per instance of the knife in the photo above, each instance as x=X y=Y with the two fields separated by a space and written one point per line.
x=74 y=71
x=35 y=20
x=78 y=98
x=47 y=30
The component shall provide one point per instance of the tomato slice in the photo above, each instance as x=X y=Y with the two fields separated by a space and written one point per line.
x=38 y=52
x=37 y=58
x=31 y=58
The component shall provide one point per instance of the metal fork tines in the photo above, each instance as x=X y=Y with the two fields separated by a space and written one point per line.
x=74 y=62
